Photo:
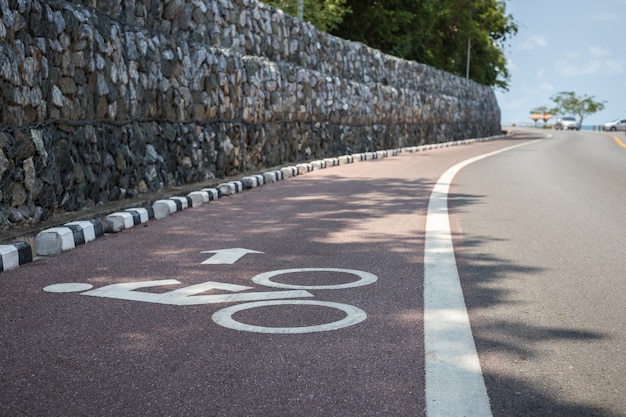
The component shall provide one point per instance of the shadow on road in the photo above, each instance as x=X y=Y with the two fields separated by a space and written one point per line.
x=150 y=355
x=514 y=344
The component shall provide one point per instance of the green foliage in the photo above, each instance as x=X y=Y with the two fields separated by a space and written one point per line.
x=436 y=32
x=541 y=110
x=325 y=15
x=543 y=113
x=433 y=32
x=567 y=102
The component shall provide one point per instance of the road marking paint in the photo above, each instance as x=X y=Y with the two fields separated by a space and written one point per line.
x=224 y=317
x=454 y=382
x=618 y=141
x=68 y=287
x=226 y=256
x=195 y=295
x=365 y=278
x=186 y=296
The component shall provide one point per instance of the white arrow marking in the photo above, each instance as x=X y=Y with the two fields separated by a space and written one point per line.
x=226 y=256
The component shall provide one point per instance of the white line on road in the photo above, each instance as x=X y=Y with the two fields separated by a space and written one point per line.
x=454 y=380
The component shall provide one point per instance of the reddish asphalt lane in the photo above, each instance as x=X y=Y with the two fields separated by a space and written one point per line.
x=70 y=354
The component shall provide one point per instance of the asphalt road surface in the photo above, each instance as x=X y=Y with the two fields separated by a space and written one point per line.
x=323 y=312
x=541 y=243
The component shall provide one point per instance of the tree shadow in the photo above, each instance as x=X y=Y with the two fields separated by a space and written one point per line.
x=336 y=221
x=514 y=341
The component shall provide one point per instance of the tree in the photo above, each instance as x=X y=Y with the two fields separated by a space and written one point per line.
x=433 y=32
x=568 y=102
x=542 y=112
x=436 y=32
x=325 y=15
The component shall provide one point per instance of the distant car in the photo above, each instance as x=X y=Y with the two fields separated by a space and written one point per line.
x=567 y=123
x=619 y=124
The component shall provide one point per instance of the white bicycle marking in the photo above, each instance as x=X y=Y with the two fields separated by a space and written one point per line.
x=68 y=287
x=224 y=317
x=189 y=295
x=186 y=296
x=365 y=279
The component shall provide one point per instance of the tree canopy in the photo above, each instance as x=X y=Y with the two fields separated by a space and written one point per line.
x=542 y=113
x=433 y=32
x=325 y=15
x=567 y=102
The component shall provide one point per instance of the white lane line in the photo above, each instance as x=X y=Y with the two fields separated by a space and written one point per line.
x=454 y=380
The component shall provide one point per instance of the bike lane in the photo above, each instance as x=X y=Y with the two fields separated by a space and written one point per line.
x=321 y=314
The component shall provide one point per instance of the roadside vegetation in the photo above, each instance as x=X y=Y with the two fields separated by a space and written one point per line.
x=438 y=33
x=568 y=103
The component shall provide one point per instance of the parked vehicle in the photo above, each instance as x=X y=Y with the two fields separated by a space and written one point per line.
x=619 y=124
x=567 y=123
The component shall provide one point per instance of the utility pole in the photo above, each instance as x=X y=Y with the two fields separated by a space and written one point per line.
x=467 y=67
x=301 y=9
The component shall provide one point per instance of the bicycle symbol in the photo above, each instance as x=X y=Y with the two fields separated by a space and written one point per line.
x=187 y=296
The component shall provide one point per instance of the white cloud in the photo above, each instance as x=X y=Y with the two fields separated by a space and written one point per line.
x=533 y=42
x=573 y=55
x=614 y=67
x=597 y=61
x=605 y=17
x=573 y=68
x=546 y=87
x=598 y=52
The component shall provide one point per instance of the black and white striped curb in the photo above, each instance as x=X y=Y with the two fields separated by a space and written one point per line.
x=55 y=240
x=15 y=254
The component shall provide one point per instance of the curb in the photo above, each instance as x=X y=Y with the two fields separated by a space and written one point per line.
x=56 y=240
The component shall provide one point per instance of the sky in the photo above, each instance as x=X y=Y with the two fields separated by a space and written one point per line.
x=565 y=45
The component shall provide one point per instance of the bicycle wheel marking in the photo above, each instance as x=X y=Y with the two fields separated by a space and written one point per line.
x=224 y=317
x=365 y=278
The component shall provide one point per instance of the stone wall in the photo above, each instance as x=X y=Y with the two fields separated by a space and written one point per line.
x=102 y=100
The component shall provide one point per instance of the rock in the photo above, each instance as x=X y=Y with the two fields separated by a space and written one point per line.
x=194 y=90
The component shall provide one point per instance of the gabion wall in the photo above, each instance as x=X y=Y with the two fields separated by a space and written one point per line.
x=102 y=100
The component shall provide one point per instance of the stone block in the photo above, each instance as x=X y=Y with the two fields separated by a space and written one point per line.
x=269 y=177
x=238 y=186
x=141 y=214
x=259 y=179
x=181 y=202
x=15 y=254
x=53 y=241
x=117 y=222
x=85 y=231
x=163 y=208
x=286 y=172
x=304 y=168
x=213 y=193
x=249 y=182
x=198 y=198
x=226 y=189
